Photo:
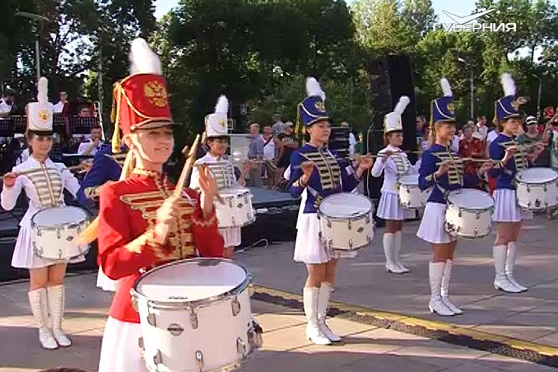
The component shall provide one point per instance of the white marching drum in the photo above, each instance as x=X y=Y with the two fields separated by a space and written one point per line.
x=410 y=196
x=56 y=231
x=236 y=211
x=469 y=213
x=195 y=315
x=537 y=188
x=346 y=222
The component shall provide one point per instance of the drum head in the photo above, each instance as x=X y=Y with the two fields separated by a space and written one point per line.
x=59 y=216
x=536 y=175
x=192 y=280
x=232 y=191
x=409 y=179
x=345 y=205
x=469 y=198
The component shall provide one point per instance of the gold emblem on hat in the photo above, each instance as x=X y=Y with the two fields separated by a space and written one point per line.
x=156 y=94
x=43 y=115
x=451 y=108
x=320 y=106
x=514 y=104
x=222 y=123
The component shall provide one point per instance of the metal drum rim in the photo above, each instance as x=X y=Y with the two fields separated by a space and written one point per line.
x=240 y=288
x=33 y=223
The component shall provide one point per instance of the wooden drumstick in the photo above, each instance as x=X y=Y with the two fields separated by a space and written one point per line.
x=187 y=166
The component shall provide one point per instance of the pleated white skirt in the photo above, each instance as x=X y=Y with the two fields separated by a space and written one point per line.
x=431 y=227
x=389 y=207
x=231 y=236
x=120 y=351
x=24 y=258
x=506 y=208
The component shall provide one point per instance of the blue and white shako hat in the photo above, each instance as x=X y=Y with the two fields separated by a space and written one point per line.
x=392 y=121
x=40 y=113
x=507 y=107
x=312 y=108
x=443 y=109
x=216 y=123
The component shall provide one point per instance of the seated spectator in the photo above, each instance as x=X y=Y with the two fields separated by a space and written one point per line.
x=93 y=144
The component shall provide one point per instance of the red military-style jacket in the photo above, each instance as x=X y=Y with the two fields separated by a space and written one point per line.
x=127 y=215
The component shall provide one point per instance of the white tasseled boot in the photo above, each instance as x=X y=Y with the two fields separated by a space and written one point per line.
x=510 y=264
x=313 y=332
x=39 y=307
x=501 y=281
x=436 y=305
x=391 y=267
x=56 y=299
x=323 y=303
x=397 y=250
x=445 y=289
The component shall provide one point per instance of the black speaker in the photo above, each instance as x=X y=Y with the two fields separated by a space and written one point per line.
x=339 y=141
x=390 y=77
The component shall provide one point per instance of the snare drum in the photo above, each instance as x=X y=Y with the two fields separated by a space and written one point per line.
x=56 y=231
x=410 y=196
x=237 y=210
x=195 y=316
x=346 y=222
x=537 y=188
x=469 y=213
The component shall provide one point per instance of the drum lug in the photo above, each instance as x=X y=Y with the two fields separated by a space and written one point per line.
x=246 y=199
x=320 y=235
x=199 y=360
x=255 y=339
x=141 y=344
x=477 y=215
x=233 y=220
x=350 y=243
x=459 y=213
x=241 y=348
x=368 y=239
x=38 y=232
x=158 y=358
x=38 y=251
x=134 y=302
x=60 y=254
x=58 y=235
x=151 y=320
x=239 y=205
x=367 y=220
x=193 y=319
x=235 y=305
x=230 y=203
x=528 y=188
x=349 y=225
x=251 y=290
x=329 y=243
x=476 y=230
x=544 y=187
x=329 y=223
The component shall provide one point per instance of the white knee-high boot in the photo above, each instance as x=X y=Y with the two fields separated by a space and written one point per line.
x=323 y=304
x=397 y=251
x=39 y=307
x=56 y=304
x=436 y=305
x=391 y=267
x=313 y=332
x=510 y=264
x=445 y=289
x=501 y=281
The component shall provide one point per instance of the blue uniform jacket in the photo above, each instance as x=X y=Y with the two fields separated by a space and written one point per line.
x=331 y=175
x=452 y=180
x=505 y=175
x=103 y=169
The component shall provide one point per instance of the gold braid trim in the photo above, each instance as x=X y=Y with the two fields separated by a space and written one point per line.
x=205 y=222
x=92 y=192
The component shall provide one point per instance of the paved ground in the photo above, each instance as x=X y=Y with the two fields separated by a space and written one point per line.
x=365 y=348
x=531 y=316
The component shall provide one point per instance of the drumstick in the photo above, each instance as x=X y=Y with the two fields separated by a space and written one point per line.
x=187 y=166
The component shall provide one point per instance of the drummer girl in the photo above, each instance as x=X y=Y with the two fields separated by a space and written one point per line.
x=221 y=168
x=507 y=213
x=141 y=223
x=320 y=173
x=393 y=162
x=440 y=171
x=43 y=182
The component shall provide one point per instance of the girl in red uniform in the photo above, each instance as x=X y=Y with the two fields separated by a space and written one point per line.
x=141 y=224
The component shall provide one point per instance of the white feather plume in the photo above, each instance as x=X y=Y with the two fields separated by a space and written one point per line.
x=313 y=88
x=446 y=87
x=508 y=84
x=222 y=106
x=142 y=59
x=42 y=90
x=401 y=105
